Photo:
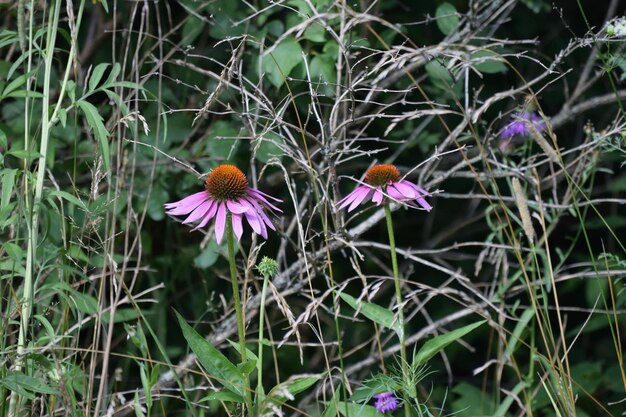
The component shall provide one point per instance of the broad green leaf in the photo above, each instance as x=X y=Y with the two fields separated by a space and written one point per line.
x=439 y=74
x=208 y=256
x=96 y=75
x=437 y=343
x=315 y=32
x=222 y=140
x=323 y=75
x=374 y=312
x=17 y=82
x=488 y=65
x=268 y=147
x=84 y=303
x=115 y=71
x=284 y=58
x=357 y=410
x=226 y=396
x=95 y=121
x=68 y=197
x=447 y=19
x=8 y=181
x=212 y=360
x=27 y=385
x=294 y=385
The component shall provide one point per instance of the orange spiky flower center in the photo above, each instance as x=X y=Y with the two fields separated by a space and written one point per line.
x=379 y=175
x=226 y=182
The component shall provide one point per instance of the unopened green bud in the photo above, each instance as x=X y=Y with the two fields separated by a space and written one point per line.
x=268 y=267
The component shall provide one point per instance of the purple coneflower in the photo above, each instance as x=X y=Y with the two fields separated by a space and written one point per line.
x=386 y=402
x=385 y=179
x=226 y=191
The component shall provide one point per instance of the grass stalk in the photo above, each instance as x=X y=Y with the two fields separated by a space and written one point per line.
x=33 y=209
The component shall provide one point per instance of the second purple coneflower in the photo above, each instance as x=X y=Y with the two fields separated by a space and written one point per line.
x=383 y=181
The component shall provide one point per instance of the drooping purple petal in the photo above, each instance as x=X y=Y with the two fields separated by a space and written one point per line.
x=378 y=196
x=208 y=216
x=220 y=222
x=187 y=200
x=405 y=189
x=395 y=194
x=199 y=211
x=363 y=193
x=347 y=199
x=237 y=226
x=358 y=192
x=258 y=195
x=187 y=204
x=252 y=217
x=261 y=213
x=236 y=207
x=254 y=190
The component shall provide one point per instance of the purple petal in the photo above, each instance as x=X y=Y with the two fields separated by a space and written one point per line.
x=220 y=222
x=262 y=214
x=200 y=195
x=352 y=196
x=235 y=207
x=199 y=211
x=252 y=217
x=362 y=195
x=347 y=199
x=254 y=190
x=187 y=204
x=378 y=196
x=207 y=217
x=405 y=189
x=237 y=226
x=257 y=195
x=395 y=194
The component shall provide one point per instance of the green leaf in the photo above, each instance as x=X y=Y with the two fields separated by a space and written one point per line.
x=27 y=385
x=68 y=197
x=96 y=75
x=487 y=65
x=439 y=74
x=315 y=33
x=437 y=343
x=84 y=303
x=208 y=256
x=17 y=82
x=222 y=140
x=294 y=385
x=268 y=147
x=284 y=58
x=447 y=19
x=212 y=360
x=8 y=181
x=226 y=396
x=27 y=155
x=95 y=121
x=374 y=312
x=357 y=410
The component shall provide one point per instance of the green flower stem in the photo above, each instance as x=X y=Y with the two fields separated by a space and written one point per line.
x=396 y=279
x=238 y=310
